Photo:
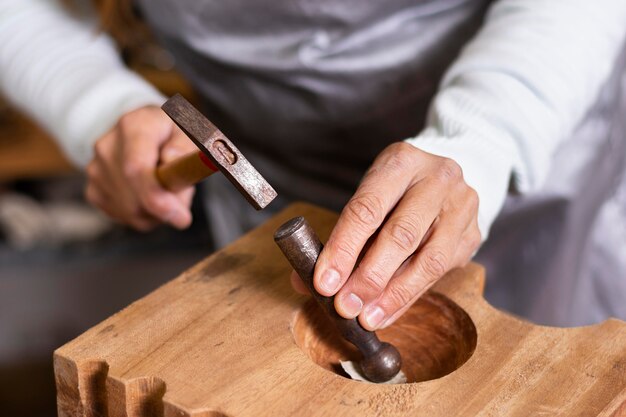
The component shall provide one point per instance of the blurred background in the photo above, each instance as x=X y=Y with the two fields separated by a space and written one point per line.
x=63 y=266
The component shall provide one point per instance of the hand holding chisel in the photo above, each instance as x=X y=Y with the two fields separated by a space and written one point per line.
x=301 y=246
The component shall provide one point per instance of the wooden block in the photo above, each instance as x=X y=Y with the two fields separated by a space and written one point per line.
x=229 y=337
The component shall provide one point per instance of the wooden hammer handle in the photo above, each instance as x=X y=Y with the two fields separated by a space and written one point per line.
x=185 y=171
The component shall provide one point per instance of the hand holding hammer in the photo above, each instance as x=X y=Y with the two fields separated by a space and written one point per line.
x=126 y=181
x=216 y=152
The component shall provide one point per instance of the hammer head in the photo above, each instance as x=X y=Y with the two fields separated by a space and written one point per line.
x=221 y=151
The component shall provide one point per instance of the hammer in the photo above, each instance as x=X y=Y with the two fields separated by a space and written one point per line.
x=299 y=243
x=217 y=153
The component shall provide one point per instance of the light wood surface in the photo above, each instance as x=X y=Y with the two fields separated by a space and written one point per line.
x=229 y=337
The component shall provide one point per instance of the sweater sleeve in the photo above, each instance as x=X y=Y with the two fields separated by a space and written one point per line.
x=64 y=73
x=518 y=89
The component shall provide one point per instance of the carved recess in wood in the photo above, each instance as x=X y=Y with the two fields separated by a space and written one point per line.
x=435 y=337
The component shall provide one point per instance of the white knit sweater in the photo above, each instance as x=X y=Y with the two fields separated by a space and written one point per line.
x=517 y=90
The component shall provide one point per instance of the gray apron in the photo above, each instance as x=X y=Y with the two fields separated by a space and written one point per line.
x=312 y=91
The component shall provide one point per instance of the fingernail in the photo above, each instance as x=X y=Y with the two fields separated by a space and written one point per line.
x=330 y=280
x=373 y=316
x=351 y=305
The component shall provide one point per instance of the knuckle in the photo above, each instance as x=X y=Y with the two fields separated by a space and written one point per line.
x=100 y=149
x=126 y=121
x=343 y=250
x=400 y=156
x=473 y=199
x=400 y=295
x=401 y=148
x=397 y=162
x=131 y=169
x=366 y=210
x=449 y=171
x=474 y=241
x=372 y=281
x=434 y=263
x=475 y=238
x=405 y=234
x=92 y=170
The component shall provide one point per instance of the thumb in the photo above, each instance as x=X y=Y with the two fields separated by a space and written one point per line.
x=176 y=146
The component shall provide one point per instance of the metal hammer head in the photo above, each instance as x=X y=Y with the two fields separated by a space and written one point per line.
x=221 y=151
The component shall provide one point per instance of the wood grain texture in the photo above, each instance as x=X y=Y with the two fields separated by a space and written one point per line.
x=219 y=341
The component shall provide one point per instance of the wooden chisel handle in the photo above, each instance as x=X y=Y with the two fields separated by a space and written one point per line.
x=185 y=171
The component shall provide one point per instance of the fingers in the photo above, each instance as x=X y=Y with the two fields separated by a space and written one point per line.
x=107 y=190
x=161 y=204
x=471 y=239
x=176 y=146
x=100 y=198
x=359 y=220
x=139 y=158
x=454 y=238
x=437 y=257
x=121 y=177
x=398 y=239
x=469 y=244
x=422 y=219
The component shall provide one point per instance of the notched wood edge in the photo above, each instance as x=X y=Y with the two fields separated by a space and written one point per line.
x=81 y=388
x=87 y=390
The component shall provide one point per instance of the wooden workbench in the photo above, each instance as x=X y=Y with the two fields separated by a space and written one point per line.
x=229 y=337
